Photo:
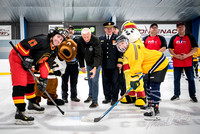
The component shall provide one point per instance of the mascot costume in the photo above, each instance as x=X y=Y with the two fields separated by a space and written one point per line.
x=67 y=51
x=137 y=96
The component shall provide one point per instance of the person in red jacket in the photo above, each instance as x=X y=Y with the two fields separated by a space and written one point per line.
x=39 y=51
x=183 y=46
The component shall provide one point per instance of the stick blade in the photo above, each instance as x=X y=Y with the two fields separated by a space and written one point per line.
x=97 y=119
x=87 y=119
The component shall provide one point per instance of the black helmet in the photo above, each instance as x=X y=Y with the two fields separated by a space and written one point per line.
x=64 y=33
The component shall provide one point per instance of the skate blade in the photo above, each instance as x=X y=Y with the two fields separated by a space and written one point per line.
x=35 y=112
x=21 y=122
x=155 y=118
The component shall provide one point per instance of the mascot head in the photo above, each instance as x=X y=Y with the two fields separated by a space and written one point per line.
x=130 y=31
x=67 y=50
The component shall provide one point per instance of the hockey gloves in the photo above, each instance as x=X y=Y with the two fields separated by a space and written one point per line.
x=134 y=82
x=27 y=63
x=42 y=84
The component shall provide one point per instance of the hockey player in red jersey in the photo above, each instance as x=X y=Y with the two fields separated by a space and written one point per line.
x=39 y=51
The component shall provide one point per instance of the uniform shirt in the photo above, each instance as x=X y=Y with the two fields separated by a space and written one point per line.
x=182 y=45
x=42 y=52
x=141 y=59
x=110 y=52
x=90 y=51
x=154 y=42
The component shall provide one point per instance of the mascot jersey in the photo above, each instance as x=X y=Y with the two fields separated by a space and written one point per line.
x=139 y=92
x=132 y=33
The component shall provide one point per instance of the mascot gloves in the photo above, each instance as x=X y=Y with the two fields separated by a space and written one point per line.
x=67 y=50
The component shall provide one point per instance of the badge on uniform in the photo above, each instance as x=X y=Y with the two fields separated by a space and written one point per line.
x=114 y=42
x=102 y=40
x=91 y=49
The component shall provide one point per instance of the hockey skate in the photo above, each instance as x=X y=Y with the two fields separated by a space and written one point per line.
x=146 y=106
x=21 y=118
x=152 y=113
x=34 y=108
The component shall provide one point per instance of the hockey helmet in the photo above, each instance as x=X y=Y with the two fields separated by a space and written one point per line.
x=64 y=33
x=122 y=48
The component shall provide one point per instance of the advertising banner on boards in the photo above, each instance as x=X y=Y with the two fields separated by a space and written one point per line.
x=5 y=32
x=166 y=30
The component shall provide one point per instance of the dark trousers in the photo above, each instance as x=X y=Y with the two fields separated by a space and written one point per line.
x=153 y=92
x=195 y=64
x=72 y=73
x=110 y=83
x=122 y=83
x=191 y=84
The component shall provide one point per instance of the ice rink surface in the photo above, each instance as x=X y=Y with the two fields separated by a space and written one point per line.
x=177 y=117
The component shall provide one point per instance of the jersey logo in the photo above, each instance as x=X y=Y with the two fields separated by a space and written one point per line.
x=32 y=42
x=43 y=60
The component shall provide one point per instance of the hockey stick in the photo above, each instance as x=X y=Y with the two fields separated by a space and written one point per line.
x=86 y=119
x=36 y=78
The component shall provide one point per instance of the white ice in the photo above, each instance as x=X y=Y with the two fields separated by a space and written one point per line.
x=177 y=117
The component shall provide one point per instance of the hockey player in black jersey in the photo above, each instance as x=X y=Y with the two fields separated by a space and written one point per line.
x=39 y=51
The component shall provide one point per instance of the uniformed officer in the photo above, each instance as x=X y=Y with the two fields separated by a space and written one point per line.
x=110 y=71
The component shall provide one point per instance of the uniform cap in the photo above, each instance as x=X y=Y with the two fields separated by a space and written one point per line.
x=108 y=24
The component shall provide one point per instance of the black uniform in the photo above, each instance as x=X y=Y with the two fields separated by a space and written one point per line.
x=110 y=71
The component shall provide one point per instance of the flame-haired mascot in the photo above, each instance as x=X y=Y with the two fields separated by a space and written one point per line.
x=66 y=52
x=137 y=96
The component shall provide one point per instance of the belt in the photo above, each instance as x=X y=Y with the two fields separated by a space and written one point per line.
x=74 y=62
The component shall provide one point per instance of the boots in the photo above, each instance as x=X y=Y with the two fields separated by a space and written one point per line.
x=35 y=108
x=152 y=113
x=22 y=118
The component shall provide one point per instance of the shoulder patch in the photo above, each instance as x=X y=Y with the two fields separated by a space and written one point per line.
x=102 y=40
x=32 y=42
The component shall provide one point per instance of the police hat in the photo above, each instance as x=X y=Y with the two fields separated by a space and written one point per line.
x=108 y=24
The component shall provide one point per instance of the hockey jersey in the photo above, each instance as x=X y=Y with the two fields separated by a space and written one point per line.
x=41 y=50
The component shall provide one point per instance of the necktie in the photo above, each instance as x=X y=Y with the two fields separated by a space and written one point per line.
x=108 y=37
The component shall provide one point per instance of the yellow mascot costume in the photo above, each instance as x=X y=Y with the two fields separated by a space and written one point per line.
x=137 y=96
x=66 y=52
